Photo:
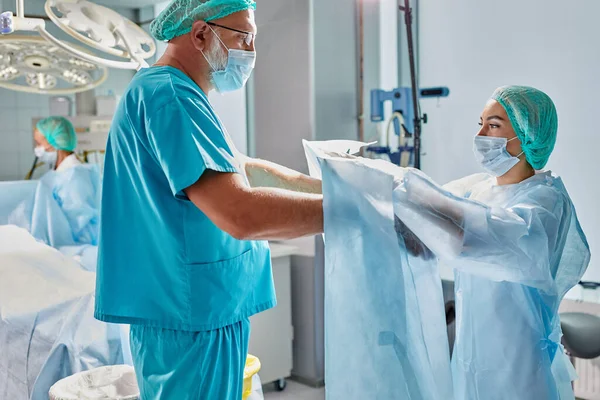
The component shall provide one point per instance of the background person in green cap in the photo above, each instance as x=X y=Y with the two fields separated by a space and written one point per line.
x=183 y=257
x=74 y=186
x=55 y=141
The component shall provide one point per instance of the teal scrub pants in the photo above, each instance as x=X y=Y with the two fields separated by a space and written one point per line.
x=181 y=365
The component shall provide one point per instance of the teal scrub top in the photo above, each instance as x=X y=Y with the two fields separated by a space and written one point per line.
x=162 y=262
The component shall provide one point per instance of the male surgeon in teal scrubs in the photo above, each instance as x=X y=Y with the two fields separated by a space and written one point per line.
x=182 y=255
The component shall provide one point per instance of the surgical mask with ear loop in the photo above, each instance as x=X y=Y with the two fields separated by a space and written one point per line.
x=47 y=157
x=491 y=153
x=236 y=71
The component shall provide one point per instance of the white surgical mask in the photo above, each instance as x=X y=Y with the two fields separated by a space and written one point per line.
x=491 y=153
x=47 y=157
x=229 y=73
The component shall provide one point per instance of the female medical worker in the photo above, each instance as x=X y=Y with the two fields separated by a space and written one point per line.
x=74 y=186
x=514 y=241
x=55 y=141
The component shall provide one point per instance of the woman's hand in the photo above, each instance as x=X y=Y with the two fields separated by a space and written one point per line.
x=413 y=245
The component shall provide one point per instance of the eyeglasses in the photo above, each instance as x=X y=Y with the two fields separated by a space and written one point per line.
x=248 y=39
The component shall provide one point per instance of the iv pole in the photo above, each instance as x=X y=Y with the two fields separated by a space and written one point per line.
x=413 y=81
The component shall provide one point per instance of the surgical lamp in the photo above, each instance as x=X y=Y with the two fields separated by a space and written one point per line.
x=96 y=26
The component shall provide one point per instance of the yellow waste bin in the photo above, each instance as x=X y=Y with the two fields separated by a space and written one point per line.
x=251 y=369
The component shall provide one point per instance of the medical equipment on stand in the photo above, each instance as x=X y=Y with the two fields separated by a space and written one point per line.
x=405 y=102
x=404 y=127
x=44 y=60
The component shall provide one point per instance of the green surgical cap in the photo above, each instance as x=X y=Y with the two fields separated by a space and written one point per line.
x=177 y=19
x=533 y=117
x=59 y=132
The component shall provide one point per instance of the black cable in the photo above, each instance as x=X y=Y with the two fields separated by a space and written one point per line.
x=31 y=171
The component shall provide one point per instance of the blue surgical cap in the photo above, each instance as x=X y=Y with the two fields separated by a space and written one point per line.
x=59 y=132
x=179 y=16
x=533 y=117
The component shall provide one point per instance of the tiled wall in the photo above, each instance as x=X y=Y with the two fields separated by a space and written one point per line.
x=16 y=149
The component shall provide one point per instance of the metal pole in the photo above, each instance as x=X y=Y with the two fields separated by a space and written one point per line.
x=413 y=80
x=361 y=68
x=21 y=8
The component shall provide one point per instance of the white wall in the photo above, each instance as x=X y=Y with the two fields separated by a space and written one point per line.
x=388 y=43
x=231 y=109
x=389 y=69
x=473 y=46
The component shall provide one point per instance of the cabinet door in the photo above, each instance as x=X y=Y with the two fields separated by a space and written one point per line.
x=272 y=331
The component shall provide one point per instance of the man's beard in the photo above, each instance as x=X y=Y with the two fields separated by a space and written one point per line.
x=216 y=57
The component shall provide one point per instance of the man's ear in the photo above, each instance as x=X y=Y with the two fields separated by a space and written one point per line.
x=199 y=34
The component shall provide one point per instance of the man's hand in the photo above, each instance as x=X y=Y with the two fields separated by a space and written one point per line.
x=256 y=213
x=263 y=173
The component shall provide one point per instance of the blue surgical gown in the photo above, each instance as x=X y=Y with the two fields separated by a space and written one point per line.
x=61 y=209
x=516 y=250
x=77 y=192
x=162 y=262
